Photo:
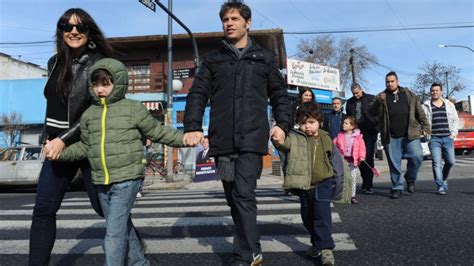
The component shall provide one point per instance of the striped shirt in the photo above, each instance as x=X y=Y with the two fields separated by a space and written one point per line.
x=439 y=121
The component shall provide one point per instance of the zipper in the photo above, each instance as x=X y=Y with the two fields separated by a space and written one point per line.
x=102 y=142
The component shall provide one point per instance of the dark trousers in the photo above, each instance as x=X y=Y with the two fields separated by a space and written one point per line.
x=316 y=214
x=365 y=171
x=240 y=196
x=53 y=183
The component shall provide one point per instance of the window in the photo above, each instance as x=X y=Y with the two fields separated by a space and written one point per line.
x=139 y=77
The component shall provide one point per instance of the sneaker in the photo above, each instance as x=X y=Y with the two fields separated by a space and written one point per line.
x=139 y=195
x=441 y=191
x=257 y=260
x=411 y=187
x=396 y=194
x=354 y=201
x=313 y=252
x=368 y=191
x=327 y=257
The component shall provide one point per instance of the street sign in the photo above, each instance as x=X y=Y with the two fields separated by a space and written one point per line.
x=149 y=4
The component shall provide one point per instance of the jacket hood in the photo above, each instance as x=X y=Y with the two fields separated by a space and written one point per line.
x=120 y=79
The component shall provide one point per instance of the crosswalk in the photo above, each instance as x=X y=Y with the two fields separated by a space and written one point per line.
x=172 y=222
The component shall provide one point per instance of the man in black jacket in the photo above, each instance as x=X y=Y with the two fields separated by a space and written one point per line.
x=238 y=78
x=357 y=106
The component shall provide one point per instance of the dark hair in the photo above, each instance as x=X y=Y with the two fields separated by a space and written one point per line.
x=436 y=84
x=302 y=91
x=308 y=110
x=355 y=86
x=352 y=120
x=101 y=76
x=244 y=10
x=338 y=98
x=64 y=57
x=391 y=73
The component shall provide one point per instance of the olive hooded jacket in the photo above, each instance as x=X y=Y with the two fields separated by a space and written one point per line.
x=111 y=130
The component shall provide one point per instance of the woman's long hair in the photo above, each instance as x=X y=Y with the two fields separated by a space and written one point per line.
x=300 y=95
x=64 y=58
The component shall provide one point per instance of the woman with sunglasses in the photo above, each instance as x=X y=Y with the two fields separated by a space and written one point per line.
x=79 y=44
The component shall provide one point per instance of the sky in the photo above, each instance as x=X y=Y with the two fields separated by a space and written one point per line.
x=402 y=51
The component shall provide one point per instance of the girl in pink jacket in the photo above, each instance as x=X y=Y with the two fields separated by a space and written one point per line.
x=351 y=144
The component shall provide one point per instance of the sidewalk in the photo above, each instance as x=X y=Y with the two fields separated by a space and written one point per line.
x=266 y=179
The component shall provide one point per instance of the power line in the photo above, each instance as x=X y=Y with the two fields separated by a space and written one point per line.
x=384 y=66
x=377 y=30
x=20 y=43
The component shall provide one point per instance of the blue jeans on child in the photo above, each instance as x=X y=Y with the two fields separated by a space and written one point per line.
x=121 y=243
x=316 y=214
x=441 y=148
x=403 y=148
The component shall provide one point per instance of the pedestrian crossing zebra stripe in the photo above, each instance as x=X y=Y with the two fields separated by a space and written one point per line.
x=141 y=210
x=145 y=201
x=269 y=243
x=164 y=222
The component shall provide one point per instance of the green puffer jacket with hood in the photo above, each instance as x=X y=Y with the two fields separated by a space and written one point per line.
x=298 y=165
x=111 y=130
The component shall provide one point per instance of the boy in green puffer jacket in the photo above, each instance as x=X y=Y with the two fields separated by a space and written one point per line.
x=309 y=174
x=111 y=131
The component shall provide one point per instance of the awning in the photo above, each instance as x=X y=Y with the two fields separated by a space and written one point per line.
x=153 y=105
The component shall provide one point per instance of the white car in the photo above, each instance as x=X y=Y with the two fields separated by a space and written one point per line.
x=21 y=165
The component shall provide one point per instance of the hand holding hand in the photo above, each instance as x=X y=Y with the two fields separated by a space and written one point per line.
x=191 y=139
x=53 y=149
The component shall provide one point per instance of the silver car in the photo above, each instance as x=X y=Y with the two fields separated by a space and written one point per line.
x=20 y=165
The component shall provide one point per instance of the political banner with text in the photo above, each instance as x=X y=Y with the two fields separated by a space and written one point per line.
x=311 y=75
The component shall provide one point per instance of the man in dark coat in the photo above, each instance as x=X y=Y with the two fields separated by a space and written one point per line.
x=238 y=78
x=358 y=107
x=333 y=120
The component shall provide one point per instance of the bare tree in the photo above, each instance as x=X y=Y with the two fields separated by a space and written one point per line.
x=436 y=72
x=12 y=125
x=327 y=51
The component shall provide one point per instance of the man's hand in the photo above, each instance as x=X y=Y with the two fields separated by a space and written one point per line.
x=52 y=150
x=277 y=135
x=191 y=139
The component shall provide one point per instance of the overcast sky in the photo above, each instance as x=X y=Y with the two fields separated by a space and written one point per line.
x=402 y=51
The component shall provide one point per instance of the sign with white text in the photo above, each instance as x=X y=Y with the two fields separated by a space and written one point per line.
x=312 y=75
x=205 y=172
x=149 y=4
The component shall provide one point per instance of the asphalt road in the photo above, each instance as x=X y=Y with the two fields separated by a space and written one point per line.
x=194 y=227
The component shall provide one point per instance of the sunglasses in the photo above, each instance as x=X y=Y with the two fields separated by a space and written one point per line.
x=67 y=27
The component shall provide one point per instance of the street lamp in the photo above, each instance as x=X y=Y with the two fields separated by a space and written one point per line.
x=459 y=46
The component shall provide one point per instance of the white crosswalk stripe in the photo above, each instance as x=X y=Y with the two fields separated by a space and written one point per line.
x=171 y=210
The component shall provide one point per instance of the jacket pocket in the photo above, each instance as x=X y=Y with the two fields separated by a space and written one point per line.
x=324 y=190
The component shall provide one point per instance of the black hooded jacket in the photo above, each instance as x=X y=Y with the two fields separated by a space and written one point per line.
x=238 y=90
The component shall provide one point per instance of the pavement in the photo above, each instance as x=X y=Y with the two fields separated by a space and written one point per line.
x=266 y=179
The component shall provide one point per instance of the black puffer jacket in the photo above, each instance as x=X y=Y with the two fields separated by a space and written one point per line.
x=79 y=98
x=369 y=121
x=238 y=90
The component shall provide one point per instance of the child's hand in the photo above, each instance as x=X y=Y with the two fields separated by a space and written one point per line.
x=278 y=139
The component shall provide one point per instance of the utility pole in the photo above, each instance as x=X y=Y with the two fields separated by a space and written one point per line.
x=169 y=109
x=447 y=85
x=351 y=63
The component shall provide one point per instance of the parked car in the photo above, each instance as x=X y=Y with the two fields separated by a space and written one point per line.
x=21 y=165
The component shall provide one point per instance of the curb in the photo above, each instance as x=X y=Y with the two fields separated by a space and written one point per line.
x=166 y=186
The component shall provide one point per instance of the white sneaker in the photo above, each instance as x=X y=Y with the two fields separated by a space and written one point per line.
x=139 y=195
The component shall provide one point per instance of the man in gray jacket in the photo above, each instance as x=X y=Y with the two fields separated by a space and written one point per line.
x=402 y=122
x=444 y=122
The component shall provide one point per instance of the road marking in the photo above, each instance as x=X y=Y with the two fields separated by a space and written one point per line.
x=270 y=243
x=137 y=210
x=144 y=201
x=165 y=222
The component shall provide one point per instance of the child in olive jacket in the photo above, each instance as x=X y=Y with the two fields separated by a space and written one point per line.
x=309 y=174
x=111 y=130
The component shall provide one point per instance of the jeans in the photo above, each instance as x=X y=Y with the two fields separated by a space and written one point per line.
x=402 y=148
x=365 y=171
x=240 y=196
x=316 y=214
x=121 y=243
x=441 y=148
x=53 y=182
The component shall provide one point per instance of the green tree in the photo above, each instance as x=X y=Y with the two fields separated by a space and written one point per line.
x=335 y=53
x=436 y=72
